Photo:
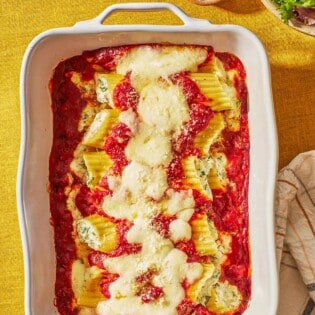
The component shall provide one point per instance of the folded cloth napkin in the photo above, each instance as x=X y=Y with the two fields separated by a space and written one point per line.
x=295 y=236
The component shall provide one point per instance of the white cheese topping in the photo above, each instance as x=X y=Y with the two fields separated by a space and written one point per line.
x=158 y=184
x=114 y=182
x=158 y=253
x=129 y=118
x=139 y=179
x=180 y=203
x=118 y=206
x=179 y=230
x=136 y=177
x=185 y=214
x=193 y=272
x=133 y=190
x=149 y=147
x=142 y=190
x=163 y=105
x=147 y=63
x=122 y=206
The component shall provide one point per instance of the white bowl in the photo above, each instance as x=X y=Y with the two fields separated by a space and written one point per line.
x=52 y=46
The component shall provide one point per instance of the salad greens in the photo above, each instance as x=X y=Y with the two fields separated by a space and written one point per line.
x=287 y=6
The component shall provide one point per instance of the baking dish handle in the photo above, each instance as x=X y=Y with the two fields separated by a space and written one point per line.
x=153 y=6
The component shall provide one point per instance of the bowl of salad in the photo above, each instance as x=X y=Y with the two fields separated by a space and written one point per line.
x=299 y=14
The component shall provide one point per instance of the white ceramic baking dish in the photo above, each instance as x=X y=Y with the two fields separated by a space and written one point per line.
x=48 y=49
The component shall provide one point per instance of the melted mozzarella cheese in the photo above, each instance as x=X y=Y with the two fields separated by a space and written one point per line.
x=163 y=105
x=149 y=147
x=118 y=205
x=133 y=192
x=139 y=179
x=142 y=190
x=121 y=206
x=114 y=182
x=178 y=202
x=193 y=272
x=129 y=118
x=179 y=230
x=135 y=178
x=171 y=269
x=149 y=62
x=185 y=214
x=158 y=184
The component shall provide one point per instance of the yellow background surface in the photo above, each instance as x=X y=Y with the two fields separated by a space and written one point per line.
x=292 y=59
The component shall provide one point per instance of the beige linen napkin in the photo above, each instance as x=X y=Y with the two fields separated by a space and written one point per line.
x=295 y=236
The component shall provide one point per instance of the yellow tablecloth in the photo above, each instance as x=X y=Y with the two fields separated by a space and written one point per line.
x=292 y=58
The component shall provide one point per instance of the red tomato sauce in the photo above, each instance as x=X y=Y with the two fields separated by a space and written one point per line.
x=67 y=106
x=125 y=96
x=228 y=210
x=186 y=307
x=115 y=145
x=230 y=207
x=107 y=280
x=161 y=223
x=105 y=57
